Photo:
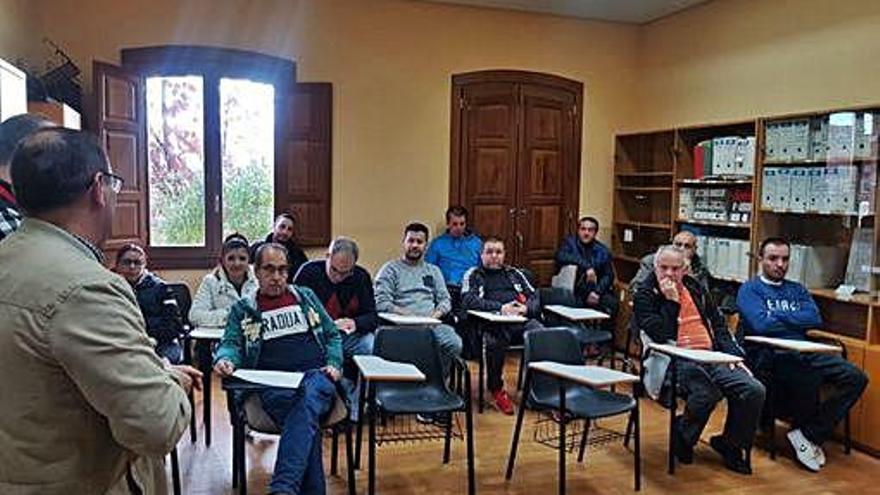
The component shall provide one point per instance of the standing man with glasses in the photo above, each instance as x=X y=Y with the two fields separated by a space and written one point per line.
x=88 y=406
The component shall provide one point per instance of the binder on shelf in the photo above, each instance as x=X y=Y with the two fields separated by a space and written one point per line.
x=783 y=188
x=799 y=140
x=867 y=186
x=745 y=160
x=768 y=189
x=859 y=264
x=820 y=190
x=800 y=189
x=841 y=136
x=772 y=141
x=819 y=139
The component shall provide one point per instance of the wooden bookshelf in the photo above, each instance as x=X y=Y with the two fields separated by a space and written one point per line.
x=650 y=170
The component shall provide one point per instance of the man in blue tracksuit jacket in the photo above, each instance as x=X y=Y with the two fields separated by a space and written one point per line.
x=771 y=306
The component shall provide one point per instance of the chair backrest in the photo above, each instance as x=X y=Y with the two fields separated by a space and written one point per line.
x=181 y=294
x=551 y=344
x=565 y=278
x=411 y=344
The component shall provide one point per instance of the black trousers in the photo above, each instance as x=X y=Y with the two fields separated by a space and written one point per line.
x=704 y=385
x=797 y=382
x=608 y=303
x=498 y=338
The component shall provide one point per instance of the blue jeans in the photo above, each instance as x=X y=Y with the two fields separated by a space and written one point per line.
x=354 y=344
x=299 y=464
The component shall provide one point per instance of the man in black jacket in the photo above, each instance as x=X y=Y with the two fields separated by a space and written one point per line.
x=672 y=306
x=496 y=287
x=284 y=233
x=346 y=291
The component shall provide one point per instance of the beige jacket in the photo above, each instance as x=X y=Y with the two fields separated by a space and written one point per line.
x=85 y=404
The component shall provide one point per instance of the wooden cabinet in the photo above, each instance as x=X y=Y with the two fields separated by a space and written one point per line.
x=59 y=113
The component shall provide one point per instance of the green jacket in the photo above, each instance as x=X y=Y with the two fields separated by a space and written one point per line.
x=242 y=348
x=85 y=398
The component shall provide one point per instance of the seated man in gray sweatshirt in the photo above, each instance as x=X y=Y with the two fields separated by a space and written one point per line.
x=411 y=286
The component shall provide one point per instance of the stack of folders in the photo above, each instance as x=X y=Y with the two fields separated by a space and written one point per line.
x=725 y=156
x=831 y=189
x=725 y=258
x=715 y=204
x=841 y=136
x=817 y=266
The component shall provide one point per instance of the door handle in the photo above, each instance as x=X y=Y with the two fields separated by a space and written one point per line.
x=520 y=240
x=512 y=212
x=523 y=211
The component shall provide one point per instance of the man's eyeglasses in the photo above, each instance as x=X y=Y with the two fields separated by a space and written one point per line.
x=131 y=262
x=114 y=181
x=682 y=245
x=270 y=269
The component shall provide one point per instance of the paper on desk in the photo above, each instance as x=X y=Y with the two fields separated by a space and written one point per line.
x=280 y=379
x=497 y=317
x=794 y=345
x=409 y=319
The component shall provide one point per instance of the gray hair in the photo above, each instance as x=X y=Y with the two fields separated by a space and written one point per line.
x=344 y=245
x=666 y=248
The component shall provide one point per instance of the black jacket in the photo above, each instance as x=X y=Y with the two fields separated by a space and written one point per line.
x=352 y=298
x=488 y=290
x=658 y=316
x=295 y=255
x=159 y=308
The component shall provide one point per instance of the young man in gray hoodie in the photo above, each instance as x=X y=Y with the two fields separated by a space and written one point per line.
x=411 y=286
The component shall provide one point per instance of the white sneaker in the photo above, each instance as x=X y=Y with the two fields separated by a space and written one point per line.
x=804 y=450
x=819 y=454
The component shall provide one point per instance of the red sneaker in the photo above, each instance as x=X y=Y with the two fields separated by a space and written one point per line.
x=503 y=402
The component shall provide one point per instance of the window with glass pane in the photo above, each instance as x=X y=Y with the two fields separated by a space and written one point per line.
x=247 y=154
x=175 y=152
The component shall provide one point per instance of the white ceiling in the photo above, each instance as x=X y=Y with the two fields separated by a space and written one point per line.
x=630 y=11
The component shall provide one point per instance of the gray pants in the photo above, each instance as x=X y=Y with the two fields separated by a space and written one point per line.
x=705 y=385
x=449 y=344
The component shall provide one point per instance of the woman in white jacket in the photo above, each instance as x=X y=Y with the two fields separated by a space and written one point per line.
x=224 y=285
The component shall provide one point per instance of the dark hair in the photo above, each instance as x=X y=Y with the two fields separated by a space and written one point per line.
x=492 y=238
x=234 y=241
x=268 y=246
x=287 y=215
x=589 y=219
x=417 y=227
x=456 y=210
x=14 y=129
x=54 y=167
x=779 y=241
x=129 y=247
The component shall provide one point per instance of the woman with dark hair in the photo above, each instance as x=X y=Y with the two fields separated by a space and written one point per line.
x=232 y=279
x=155 y=300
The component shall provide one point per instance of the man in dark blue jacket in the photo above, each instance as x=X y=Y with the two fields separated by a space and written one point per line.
x=771 y=306
x=594 y=285
x=496 y=287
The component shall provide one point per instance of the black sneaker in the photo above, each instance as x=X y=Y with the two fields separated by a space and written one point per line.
x=732 y=455
x=425 y=419
x=683 y=451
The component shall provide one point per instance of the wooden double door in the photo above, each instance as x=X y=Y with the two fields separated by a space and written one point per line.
x=515 y=160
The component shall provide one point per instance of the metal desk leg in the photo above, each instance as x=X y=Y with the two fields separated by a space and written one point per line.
x=371 y=480
x=561 y=437
x=672 y=408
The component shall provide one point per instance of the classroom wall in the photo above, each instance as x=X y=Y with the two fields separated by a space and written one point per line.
x=390 y=62
x=17 y=27
x=735 y=59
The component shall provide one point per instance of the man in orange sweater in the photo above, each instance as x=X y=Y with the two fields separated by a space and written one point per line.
x=672 y=307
